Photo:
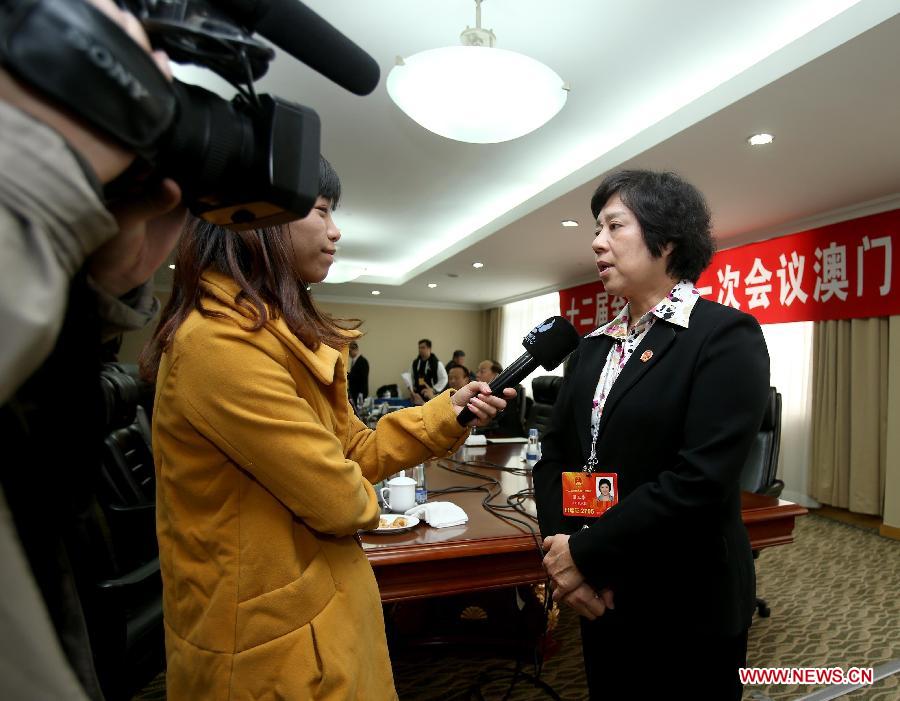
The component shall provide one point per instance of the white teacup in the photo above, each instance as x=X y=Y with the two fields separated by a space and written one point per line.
x=400 y=494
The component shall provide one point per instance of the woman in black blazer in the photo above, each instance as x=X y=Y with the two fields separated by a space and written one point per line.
x=671 y=394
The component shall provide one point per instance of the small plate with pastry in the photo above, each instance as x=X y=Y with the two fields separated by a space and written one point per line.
x=394 y=523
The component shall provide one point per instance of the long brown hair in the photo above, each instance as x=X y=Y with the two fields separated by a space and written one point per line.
x=260 y=262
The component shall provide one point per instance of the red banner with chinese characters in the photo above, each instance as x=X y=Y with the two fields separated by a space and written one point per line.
x=840 y=271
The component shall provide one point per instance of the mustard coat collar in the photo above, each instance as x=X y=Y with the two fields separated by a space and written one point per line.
x=322 y=362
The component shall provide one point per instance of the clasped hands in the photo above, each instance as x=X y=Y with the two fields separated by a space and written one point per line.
x=568 y=584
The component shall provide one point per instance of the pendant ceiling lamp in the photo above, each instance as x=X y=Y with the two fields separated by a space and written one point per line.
x=475 y=92
x=343 y=272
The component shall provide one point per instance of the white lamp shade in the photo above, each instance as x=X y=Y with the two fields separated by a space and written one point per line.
x=476 y=94
x=343 y=272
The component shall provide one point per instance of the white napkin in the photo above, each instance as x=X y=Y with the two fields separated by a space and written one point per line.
x=439 y=514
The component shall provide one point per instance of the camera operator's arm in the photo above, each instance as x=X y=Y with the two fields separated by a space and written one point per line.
x=51 y=219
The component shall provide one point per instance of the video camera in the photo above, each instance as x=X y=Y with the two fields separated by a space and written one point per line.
x=246 y=163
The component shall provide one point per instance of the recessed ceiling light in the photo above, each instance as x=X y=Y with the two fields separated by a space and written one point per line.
x=432 y=285
x=760 y=139
x=172 y=266
x=569 y=222
x=376 y=292
x=477 y=265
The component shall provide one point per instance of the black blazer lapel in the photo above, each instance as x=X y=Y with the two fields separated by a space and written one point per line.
x=658 y=340
x=593 y=357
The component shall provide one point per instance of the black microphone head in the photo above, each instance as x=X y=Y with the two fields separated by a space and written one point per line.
x=305 y=35
x=551 y=341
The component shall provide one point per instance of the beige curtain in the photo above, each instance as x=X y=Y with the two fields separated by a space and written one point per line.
x=850 y=363
x=493 y=319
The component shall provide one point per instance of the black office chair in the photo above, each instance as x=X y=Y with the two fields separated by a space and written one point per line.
x=524 y=404
x=545 y=389
x=511 y=422
x=391 y=389
x=123 y=602
x=758 y=474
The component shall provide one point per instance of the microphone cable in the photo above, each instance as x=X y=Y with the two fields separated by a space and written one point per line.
x=514 y=503
x=492 y=489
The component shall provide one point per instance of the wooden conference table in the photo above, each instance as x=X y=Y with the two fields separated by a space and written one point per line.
x=487 y=553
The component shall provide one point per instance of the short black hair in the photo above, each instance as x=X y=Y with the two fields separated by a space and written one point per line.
x=426 y=341
x=604 y=481
x=670 y=210
x=458 y=353
x=496 y=367
x=329 y=182
x=354 y=345
x=459 y=367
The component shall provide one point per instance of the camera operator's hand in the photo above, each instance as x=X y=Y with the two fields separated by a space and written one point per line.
x=149 y=226
x=107 y=158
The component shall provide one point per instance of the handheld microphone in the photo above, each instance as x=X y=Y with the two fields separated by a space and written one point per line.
x=547 y=345
x=292 y=26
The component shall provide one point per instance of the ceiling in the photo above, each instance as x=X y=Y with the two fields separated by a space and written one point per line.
x=654 y=84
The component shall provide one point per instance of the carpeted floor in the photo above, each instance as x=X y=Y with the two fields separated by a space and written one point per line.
x=835 y=600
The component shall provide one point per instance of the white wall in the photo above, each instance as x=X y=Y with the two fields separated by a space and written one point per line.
x=392 y=333
x=390 y=340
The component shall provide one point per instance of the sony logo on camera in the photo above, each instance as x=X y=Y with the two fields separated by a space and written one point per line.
x=101 y=57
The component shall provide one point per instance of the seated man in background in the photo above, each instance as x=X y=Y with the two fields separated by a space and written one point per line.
x=509 y=422
x=459 y=358
x=487 y=370
x=457 y=378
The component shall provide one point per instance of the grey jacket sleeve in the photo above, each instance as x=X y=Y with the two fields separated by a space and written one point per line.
x=51 y=220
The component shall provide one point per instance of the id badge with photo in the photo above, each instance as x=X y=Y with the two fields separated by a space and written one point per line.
x=589 y=494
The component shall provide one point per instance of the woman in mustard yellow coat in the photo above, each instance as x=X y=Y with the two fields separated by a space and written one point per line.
x=264 y=474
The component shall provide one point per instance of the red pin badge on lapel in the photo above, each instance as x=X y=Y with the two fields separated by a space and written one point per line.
x=646 y=355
